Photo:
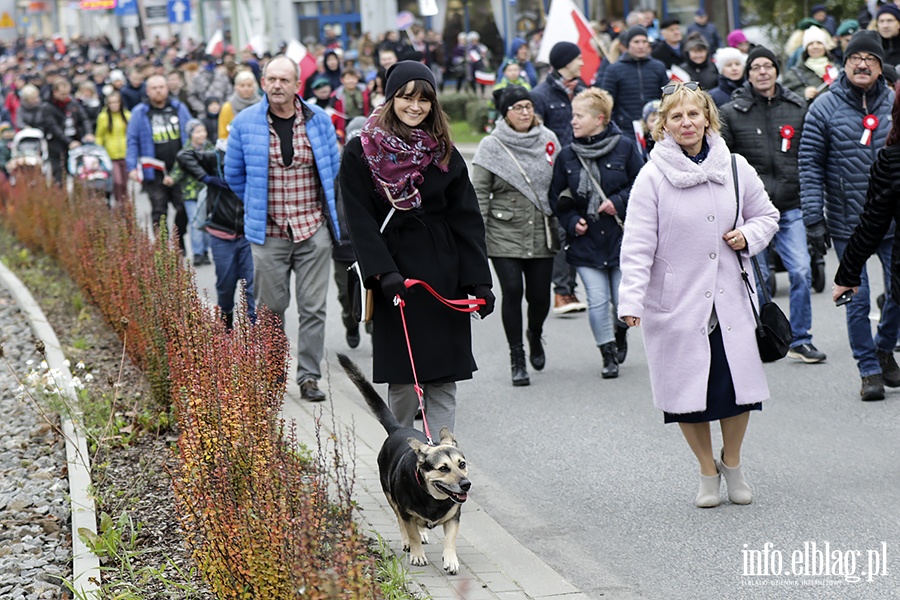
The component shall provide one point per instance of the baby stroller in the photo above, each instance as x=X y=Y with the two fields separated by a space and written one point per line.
x=28 y=154
x=90 y=164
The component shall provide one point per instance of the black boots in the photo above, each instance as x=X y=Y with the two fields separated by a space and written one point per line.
x=610 y=361
x=536 y=348
x=517 y=362
x=621 y=343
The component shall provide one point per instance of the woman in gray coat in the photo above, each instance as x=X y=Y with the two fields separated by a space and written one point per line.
x=512 y=171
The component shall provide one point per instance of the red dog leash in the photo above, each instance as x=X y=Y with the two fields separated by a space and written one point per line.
x=463 y=305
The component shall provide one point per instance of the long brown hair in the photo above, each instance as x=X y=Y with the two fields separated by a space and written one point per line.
x=894 y=134
x=109 y=113
x=436 y=124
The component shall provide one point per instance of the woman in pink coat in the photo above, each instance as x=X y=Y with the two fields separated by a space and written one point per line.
x=681 y=280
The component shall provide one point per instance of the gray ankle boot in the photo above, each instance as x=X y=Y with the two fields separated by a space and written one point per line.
x=708 y=494
x=739 y=490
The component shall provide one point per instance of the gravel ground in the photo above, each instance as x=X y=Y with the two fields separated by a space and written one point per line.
x=35 y=541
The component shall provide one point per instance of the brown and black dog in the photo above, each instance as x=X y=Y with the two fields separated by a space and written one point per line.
x=425 y=485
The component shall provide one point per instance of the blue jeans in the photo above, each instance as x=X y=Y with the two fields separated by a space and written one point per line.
x=234 y=261
x=859 y=329
x=602 y=289
x=199 y=239
x=790 y=243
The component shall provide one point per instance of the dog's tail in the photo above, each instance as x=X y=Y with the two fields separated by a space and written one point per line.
x=373 y=399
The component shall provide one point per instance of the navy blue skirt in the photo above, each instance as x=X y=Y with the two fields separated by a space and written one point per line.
x=720 y=397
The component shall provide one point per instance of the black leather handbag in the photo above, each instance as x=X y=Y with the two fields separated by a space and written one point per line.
x=773 y=329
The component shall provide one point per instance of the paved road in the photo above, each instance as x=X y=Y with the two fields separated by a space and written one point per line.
x=583 y=472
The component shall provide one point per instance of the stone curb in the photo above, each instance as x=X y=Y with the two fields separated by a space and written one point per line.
x=493 y=564
x=85 y=565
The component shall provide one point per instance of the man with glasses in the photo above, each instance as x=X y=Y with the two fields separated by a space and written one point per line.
x=842 y=133
x=763 y=123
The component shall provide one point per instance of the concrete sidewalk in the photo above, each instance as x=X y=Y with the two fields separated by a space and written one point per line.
x=492 y=563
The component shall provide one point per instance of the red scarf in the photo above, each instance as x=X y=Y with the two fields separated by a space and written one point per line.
x=396 y=166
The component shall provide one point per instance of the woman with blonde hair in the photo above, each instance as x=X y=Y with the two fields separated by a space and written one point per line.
x=589 y=195
x=246 y=93
x=511 y=173
x=681 y=280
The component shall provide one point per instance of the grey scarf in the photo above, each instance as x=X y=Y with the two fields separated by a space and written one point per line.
x=591 y=153
x=238 y=104
x=530 y=149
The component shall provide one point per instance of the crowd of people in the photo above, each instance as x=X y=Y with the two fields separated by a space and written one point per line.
x=642 y=180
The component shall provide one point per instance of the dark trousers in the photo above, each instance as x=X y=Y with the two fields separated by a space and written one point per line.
x=528 y=277
x=340 y=278
x=563 y=272
x=58 y=165
x=160 y=198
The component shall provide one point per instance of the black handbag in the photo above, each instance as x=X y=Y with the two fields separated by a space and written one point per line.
x=773 y=329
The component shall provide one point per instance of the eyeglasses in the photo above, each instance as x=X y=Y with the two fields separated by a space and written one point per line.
x=765 y=67
x=521 y=108
x=674 y=87
x=856 y=59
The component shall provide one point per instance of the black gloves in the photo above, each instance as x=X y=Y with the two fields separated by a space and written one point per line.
x=393 y=284
x=484 y=292
x=818 y=239
x=213 y=181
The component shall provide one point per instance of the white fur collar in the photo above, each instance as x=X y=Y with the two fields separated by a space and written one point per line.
x=682 y=172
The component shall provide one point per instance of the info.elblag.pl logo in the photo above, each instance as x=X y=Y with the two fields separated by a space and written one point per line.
x=812 y=564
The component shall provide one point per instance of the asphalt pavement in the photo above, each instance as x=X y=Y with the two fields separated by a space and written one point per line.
x=581 y=491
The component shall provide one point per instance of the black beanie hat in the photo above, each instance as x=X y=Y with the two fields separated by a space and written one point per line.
x=633 y=32
x=563 y=53
x=508 y=96
x=865 y=41
x=762 y=52
x=402 y=73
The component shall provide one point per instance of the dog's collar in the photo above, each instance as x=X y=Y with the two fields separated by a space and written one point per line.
x=419 y=481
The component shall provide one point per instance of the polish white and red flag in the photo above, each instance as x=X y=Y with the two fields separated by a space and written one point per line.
x=565 y=23
x=216 y=44
x=149 y=162
x=298 y=53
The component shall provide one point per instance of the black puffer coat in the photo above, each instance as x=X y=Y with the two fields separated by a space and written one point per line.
x=705 y=73
x=882 y=209
x=751 y=126
x=632 y=83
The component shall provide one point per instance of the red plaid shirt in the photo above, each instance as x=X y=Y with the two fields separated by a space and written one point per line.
x=294 y=211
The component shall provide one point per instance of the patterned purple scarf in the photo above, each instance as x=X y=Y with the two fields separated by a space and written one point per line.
x=396 y=166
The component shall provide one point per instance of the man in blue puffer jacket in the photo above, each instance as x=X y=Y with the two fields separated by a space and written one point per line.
x=633 y=80
x=282 y=160
x=158 y=129
x=842 y=133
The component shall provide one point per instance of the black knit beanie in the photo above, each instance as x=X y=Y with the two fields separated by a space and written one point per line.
x=563 y=53
x=633 y=32
x=508 y=96
x=402 y=73
x=865 y=41
x=762 y=52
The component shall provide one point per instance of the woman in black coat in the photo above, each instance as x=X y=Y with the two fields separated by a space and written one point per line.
x=593 y=221
x=881 y=211
x=404 y=160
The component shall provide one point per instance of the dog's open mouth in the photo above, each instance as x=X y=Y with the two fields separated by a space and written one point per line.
x=456 y=497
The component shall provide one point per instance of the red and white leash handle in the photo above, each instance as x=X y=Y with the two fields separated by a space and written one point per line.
x=462 y=305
